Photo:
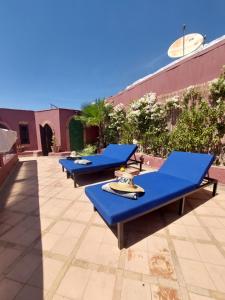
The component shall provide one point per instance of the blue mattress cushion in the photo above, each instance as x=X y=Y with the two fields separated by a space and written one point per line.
x=159 y=189
x=120 y=152
x=114 y=155
x=98 y=162
x=188 y=166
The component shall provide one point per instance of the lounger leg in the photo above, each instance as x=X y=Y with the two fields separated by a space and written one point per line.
x=214 y=188
x=67 y=174
x=62 y=168
x=74 y=180
x=120 y=235
x=181 y=206
x=94 y=208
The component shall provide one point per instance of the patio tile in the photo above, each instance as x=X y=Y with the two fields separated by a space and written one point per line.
x=47 y=241
x=10 y=218
x=79 y=211
x=27 y=291
x=190 y=220
x=185 y=249
x=64 y=245
x=60 y=227
x=197 y=233
x=210 y=254
x=21 y=235
x=100 y=286
x=70 y=193
x=161 y=292
x=211 y=222
x=74 y=230
x=222 y=221
x=74 y=282
x=195 y=274
x=58 y=297
x=177 y=230
x=9 y=289
x=107 y=255
x=4 y=228
x=44 y=276
x=199 y=297
x=156 y=244
x=219 y=234
x=94 y=238
x=24 y=268
x=7 y=257
x=217 y=273
x=137 y=261
x=161 y=265
x=135 y=290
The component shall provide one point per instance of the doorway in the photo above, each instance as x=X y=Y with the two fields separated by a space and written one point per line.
x=76 y=134
x=2 y=126
x=46 y=139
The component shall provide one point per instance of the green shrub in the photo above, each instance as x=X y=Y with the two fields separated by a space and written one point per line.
x=199 y=129
x=88 y=150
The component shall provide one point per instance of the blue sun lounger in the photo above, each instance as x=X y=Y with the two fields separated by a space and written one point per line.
x=114 y=155
x=182 y=174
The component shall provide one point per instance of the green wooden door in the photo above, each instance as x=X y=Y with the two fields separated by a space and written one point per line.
x=76 y=135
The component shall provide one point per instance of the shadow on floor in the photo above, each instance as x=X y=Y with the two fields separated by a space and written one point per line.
x=142 y=227
x=87 y=179
x=21 y=266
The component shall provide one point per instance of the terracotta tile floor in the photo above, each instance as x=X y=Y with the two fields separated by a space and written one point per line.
x=54 y=246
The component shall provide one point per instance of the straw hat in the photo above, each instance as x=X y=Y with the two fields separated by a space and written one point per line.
x=126 y=184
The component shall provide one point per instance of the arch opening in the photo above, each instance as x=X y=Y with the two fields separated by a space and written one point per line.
x=46 y=139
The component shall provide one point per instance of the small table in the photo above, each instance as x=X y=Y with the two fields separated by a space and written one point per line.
x=131 y=171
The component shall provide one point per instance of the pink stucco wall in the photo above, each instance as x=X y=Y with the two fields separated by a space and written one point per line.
x=11 y=118
x=195 y=69
x=58 y=120
x=50 y=117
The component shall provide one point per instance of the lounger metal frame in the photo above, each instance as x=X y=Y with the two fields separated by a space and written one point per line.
x=74 y=175
x=206 y=182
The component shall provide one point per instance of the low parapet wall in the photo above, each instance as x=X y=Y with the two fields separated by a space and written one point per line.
x=216 y=172
x=6 y=167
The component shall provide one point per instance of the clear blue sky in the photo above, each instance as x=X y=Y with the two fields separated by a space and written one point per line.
x=69 y=52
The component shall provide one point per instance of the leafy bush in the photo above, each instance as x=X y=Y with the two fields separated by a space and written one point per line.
x=197 y=129
x=217 y=89
x=88 y=150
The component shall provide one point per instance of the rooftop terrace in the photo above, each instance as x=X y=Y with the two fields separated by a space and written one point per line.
x=54 y=246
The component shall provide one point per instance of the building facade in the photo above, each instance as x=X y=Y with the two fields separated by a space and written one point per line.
x=39 y=130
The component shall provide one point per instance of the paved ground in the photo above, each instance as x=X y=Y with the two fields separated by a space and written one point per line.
x=54 y=246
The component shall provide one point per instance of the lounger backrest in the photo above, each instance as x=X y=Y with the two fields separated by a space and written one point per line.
x=121 y=152
x=186 y=165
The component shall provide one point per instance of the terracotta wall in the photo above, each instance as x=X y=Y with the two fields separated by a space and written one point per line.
x=196 y=69
x=11 y=119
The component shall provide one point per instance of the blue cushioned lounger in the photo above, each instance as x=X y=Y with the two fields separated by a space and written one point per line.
x=113 y=156
x=181 y=174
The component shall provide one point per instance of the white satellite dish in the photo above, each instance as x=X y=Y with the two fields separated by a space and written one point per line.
x=185 y=45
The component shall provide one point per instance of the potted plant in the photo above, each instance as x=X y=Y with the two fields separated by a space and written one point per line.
x=54 y=147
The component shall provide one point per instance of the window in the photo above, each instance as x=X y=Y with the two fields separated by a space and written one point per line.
x=24 y=134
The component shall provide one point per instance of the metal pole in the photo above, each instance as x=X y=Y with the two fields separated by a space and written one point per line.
x=184 y=28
